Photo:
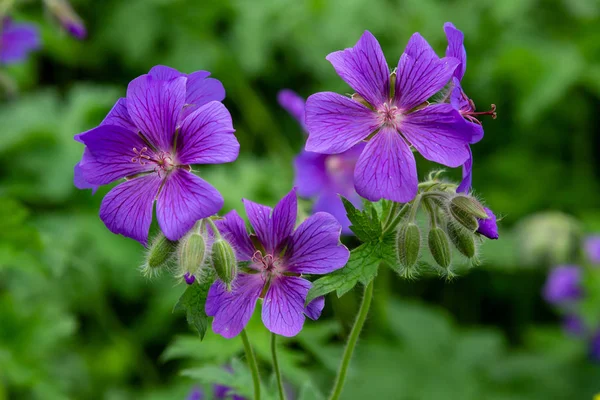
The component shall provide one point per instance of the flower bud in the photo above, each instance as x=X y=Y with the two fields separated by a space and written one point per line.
x=224 y=262
x=462 y=239
x=192 y=254
x=68 y=18
x=439 y=246
x=465 y=210
x=408 y=242
x=159 y=253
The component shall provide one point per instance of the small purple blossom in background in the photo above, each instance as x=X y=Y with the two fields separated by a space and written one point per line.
x=324 y=176
x=68 y=18
x=573 y=325
x=167 y=122
x=592 y=249
x=392 y=114
x=595 y=346
x=278 y=256
x=17 y=40
x=220 y=393
x=563 y=285
x=460 y=101
x=488 y=227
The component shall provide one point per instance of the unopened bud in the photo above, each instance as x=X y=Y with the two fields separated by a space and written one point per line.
x=68 y=18
x=466 y=210
x=408 y=242
x=462 y=239
x=439 y=246
x=160 y=252
x=192 y=253
x=224 y=262
x=189 y=278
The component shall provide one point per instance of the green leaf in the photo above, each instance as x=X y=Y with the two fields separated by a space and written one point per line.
x=365 y=224
x=192 y=301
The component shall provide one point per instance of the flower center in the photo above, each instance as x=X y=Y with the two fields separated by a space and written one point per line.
x=267 y=263
x=389 y=115
x=163 y=160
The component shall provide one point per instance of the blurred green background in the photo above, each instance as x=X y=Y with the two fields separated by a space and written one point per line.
x=77 y=319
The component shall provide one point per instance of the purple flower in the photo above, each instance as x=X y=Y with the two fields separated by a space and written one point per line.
x=391 y=114
x=488 y=227
x=324 y=176
x=573 y=325
x=278 y=257
x=220 y=393
x=563 y=284
x=196 y=394
x=167 y=122
x=460 y=101
x=595 y=346
x=68 y=18
x=17 y=40
x=592 y=249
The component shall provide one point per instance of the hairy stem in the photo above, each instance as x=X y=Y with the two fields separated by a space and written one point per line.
x=252 y=364
x=352 y=339
x=276 y=366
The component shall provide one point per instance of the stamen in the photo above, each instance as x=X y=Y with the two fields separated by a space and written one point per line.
x=140 y=156
x=473 y=115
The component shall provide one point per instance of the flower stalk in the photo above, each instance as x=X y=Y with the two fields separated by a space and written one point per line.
x=276 y=366
x=251 y=364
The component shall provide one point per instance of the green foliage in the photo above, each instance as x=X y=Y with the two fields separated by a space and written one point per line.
x=192 y=303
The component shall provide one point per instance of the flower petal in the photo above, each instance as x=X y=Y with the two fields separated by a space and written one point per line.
x=109 y=154
x=336 y=123
x=314 y=308
x=164 y=73
x=456 y=48
x=364 y=68
x=17 y=40
x=421 y=73
x=119 y=116
x=283 y=306
x=233 y=229
x=206 y=136
x=592 y=248
x=202 y=90
x=467 y=174
x=439 y=133
x=78 y=178
x=273 y=227
x=386 y=169
x=488 y=227
x=127 y=208
x=292 y=103
x=154 y=106
x=232 y=310
x=311 y=175
x=184 y=199
x=331 y=203
x=315 y=246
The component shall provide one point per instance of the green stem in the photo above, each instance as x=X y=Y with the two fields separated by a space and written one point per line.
x=214 y=228
x=352 y=339
x=252 y=364
x=276 y=366
x=394 y=223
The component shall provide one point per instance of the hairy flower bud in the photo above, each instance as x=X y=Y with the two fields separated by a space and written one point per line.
x=224 y=262
x=192 y=253
x=462 y=239
x=408 y=240
x=439 y=246
x=160 y=253
x=465 y=210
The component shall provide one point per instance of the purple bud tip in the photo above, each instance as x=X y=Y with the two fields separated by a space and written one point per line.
x=189 y=278
x=488 y=227
x=76 y=30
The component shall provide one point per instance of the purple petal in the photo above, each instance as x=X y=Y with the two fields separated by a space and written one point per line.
x=439 y=133
x=232 y=310
x=127 y=208
x=386 y=169
x=164 y=73
x=563 y=284
x=17 y=40
x=595 y=346
x=592 y=249
x=154 y=106
x=196 y=394
x=119 y=116
x=202 y=90
x=184 y=199
x=311 y=175
x=364 y=68
x=233 y=229
x=331 y=203
x=456 y=48
x=336 y=123
x=78 y=179
x=314 y=308
x=110 y=154
x=294 y=104
x=573 y=325
x=467 y=174
x=461 y=103
x=488 y=227
x=315 y=246
x=206 y=136
x=421 y=73
x=283 y=306
x=273 y=227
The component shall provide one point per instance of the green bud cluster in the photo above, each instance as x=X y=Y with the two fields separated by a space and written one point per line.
x=192 y=253
x=159 y=256
x=224 y=262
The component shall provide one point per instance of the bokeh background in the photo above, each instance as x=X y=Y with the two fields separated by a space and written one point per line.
x=77 y=319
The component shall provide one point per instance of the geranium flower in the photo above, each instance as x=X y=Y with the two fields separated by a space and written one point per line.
x=592 y=248
x=391 y=114
x=323 y=176
x=278 y=257
x=563 y=284
x=151 y=138
x=17 y=40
